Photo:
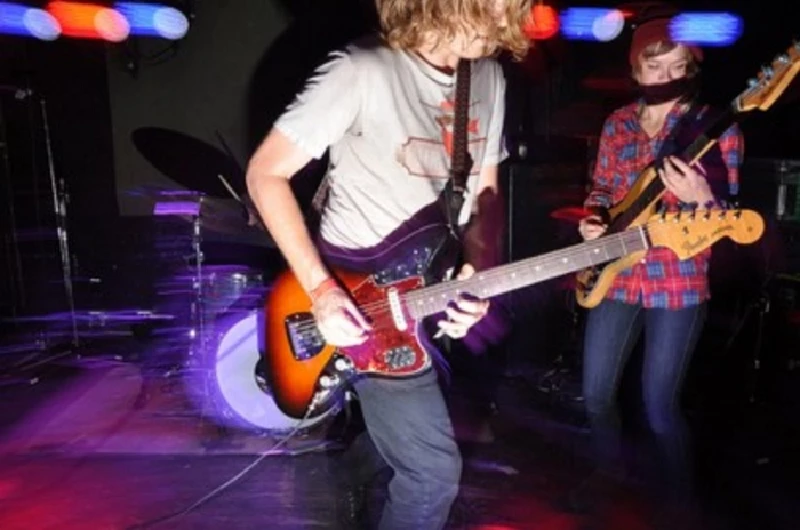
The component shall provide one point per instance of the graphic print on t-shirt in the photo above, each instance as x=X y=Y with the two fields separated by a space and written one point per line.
x=431 y=157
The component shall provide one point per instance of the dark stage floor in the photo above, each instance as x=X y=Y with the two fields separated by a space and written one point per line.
x=106 y=441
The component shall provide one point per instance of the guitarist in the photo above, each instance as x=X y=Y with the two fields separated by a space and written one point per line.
x=661 y=295
x=385 y=110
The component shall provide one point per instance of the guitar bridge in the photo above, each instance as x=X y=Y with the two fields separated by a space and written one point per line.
x=304 y=336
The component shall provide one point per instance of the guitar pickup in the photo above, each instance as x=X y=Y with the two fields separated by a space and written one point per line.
x=304 y=336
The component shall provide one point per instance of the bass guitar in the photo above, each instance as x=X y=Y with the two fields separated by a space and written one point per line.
x=641 y=200
x=306 y=375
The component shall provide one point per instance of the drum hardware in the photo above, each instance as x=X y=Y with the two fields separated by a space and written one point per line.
x=60 y=200
x=230 y=386
x=760 y=306
x=787 y=202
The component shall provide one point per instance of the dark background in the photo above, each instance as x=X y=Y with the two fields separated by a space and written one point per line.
x=230 y=77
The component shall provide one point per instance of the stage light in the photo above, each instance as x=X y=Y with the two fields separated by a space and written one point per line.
x=707 y=28
x=154 y=20
x=89 y=21
x=16 y=19
x=542 y=24
x=589 y=23
x=608 y=27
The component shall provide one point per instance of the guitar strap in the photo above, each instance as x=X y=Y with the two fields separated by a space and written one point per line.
x=461 y=161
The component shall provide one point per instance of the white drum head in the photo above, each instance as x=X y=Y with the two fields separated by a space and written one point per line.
x=233 y=384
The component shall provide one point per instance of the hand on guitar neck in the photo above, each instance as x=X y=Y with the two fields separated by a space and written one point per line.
x=464 y=313
x=343 y=324
x=685 y=181
x=591 y=227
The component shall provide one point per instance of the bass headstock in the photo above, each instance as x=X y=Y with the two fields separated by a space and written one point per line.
x=689 y=233
x=764 y=89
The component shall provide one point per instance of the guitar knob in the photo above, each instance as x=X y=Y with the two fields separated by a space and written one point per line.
x=326 y=381
x=342 y=365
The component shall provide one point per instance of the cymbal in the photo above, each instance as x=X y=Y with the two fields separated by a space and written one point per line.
x=188 y=161
x=155 y=192
x=572 y=214
x=229 y=218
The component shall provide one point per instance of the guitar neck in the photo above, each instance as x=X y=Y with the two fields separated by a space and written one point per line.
x=694 y=152
x=505 y=278
x=710 y=135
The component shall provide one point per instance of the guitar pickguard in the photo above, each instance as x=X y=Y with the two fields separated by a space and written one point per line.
x=416 y=264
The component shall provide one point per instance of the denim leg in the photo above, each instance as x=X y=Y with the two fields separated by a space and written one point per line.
x=409 y=424
x=612 y=329
x=670 y=340
x=358 y=464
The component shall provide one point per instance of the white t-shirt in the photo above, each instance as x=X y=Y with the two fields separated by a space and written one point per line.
x=387 y=117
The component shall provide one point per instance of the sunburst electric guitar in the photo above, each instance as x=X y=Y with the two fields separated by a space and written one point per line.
x=306 y=375
x=642 y=199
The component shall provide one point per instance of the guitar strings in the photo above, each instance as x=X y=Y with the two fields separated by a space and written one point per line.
x=374 y=309
x=632 y=235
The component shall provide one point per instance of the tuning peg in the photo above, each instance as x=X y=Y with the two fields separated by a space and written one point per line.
x=783 y=58
x=752 y=82
x=662 y=213
x=767 y=71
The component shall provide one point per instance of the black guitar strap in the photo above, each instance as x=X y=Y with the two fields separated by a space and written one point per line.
x=461 y=161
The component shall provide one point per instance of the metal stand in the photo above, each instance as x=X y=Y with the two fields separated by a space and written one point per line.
x=761 y=305
x=60 y=199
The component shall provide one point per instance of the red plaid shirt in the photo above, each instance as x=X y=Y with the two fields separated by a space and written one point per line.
x=660 y=280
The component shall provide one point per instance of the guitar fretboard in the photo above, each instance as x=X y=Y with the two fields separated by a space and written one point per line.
x=498 y=280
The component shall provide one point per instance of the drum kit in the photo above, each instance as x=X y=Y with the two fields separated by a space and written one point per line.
x=219 y=302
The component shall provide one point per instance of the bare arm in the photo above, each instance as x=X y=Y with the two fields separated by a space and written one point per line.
x=271 y=167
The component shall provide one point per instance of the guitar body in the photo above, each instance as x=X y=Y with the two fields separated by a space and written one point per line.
x=594 y=283
x=306 y=375
x=298 y=356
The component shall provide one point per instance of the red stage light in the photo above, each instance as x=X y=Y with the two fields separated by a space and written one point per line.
x=542 y=24
x=89 y=21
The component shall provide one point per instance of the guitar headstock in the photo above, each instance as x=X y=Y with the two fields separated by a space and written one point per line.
x=689 y=233
x=772 y=80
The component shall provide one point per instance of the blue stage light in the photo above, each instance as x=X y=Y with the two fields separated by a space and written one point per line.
x=590 y=23
x=22 y=20
x=154 y=20
x=707 y=28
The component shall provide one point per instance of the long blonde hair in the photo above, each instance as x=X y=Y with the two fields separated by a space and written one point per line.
x=405 y=23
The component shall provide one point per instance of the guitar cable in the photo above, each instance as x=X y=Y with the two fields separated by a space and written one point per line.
x=272 y=451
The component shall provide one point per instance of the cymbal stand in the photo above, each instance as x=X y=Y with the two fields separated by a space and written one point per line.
x=60 y=199
x=761 y=304
x=197 y=333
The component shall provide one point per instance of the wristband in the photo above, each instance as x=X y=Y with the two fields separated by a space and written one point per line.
x=322 y=288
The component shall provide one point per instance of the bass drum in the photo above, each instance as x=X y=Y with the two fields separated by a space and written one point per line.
x=232 y=387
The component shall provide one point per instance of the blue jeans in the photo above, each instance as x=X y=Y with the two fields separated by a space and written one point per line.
x=612 y=330
x=408 y=429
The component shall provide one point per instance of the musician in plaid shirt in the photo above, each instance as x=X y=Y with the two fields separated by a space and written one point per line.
x=661 y=295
